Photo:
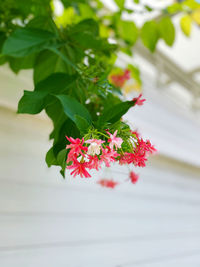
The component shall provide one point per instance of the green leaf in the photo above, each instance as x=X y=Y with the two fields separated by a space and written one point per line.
x=186 y=25
x=47 y=63
x=44 y=23
x=33 y=102
x=148 y=8
x=61 y=157
x=81 y=124
x=26 y=41
x=72 y=108
x=128 y=31
x=114 y=113
x=167 y=30
x=17 y=64
x=150 y=34
x=50 y=158
x=120 y=3
x=87 y=25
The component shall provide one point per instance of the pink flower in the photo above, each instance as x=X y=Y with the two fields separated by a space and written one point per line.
x=139 y=101
x=114 y=141
x=94 y=162
x=108 y=156
x=79 y=169
x=107 y=183
x=76 y=148
x=133 y=177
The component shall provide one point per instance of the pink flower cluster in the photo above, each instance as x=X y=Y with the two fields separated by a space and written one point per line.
x=92 y=156
x=120 y=79
x=105 y=148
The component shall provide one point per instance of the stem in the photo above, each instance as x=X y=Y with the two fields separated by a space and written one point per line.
x=103 y=134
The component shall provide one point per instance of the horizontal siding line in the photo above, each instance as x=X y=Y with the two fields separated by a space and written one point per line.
x=164 y=258
x=98 y=215
x=125 y=195
x=178 y=185
x=89 y=242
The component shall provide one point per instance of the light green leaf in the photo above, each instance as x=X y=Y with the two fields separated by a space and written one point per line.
x=167 y=30
x=186 y=25
x=128 y=31
x=120 y=3
x=26 y=41
x=72 y=108
x=150 y=35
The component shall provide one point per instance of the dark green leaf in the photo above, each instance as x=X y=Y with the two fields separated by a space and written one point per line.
x=114 y=113
x=17 y=64
x=33 y=102
x=47 y=63
x=81 y=124
x=44 y=23
x=72 y=108
x=50 y=158
x=26 y=41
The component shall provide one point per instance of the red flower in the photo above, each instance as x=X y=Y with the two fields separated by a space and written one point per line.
x=139 y=101
x=119 y=79
x=137 y=158
x=136 y=133
x=107 y=183
x=108 y=156
x=76 y=148
x=94 y=162
x=79 y=169
x=133 y=177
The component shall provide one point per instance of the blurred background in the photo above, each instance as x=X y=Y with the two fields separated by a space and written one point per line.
x=46 y=221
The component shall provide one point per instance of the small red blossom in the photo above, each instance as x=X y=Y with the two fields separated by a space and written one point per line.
x=120 y=79
x=107 y=183
x=136 y=133
x=138 y=101
x=108 y=155
x=79 y=168
x=94 y=162
x=133 y=177
x=76 y=147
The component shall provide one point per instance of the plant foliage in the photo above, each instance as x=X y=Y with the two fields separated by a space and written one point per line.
x=71 y=56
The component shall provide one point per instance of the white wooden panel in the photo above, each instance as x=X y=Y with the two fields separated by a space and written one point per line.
x=92 y=254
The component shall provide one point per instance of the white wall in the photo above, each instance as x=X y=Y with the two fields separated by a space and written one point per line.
x=46 y=221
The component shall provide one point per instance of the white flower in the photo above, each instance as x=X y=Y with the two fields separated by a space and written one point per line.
x=94 y=149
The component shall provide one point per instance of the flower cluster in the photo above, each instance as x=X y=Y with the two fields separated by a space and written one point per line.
x=98 y=148
x=120 y=79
